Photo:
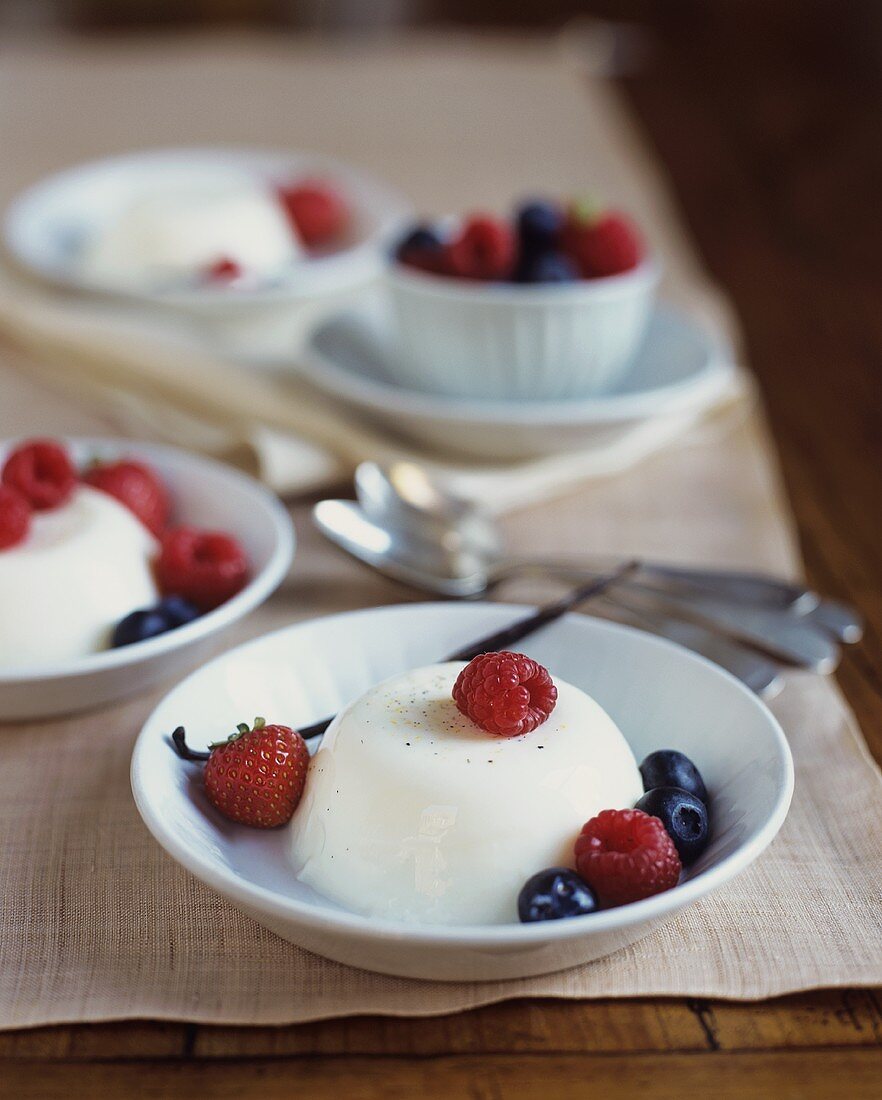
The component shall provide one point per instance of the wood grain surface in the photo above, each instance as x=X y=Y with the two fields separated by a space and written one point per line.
x=771 y=138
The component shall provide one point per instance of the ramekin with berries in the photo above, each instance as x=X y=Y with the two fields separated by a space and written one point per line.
x=549 y=304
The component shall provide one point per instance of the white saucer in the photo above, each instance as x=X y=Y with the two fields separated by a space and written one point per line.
x=45 y=225
x=661 y=696
x=679 y=371
x=207 y=494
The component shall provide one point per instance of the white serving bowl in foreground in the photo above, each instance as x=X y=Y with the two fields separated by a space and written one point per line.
x=510 y=340
x=660 y=695
x=206 y=494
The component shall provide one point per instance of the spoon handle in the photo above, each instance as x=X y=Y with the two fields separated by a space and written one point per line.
x=502 y=639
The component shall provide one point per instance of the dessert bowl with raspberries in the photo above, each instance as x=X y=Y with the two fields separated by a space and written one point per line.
x=118 y=563
x=513 y=815
x=549 y=304
x=211 y=230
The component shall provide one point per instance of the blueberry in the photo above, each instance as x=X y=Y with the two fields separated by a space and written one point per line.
x=139 y=626
x=420 y=240
x=669 y=768
x=555 y=893
x=177 y=610
x=684 y=817
x=547 y=267
x=539 y=226
x=169 y=613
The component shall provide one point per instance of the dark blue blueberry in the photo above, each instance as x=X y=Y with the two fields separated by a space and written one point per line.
x=547 y=267
x=684 y=817
x=555 y=893
x=422 y=240
x=139 y=626
x=539 y=226
x=669 y=768
x=177 y=610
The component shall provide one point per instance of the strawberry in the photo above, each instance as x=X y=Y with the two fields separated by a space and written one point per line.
x=316 y=210
x=602 y=243
x=137 y=487
x=256 y=777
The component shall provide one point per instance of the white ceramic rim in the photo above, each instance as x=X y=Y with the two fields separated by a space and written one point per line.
x=255 y=592
x=464 y=291
x=273 y=904
x=323 y=372
x=334 y=272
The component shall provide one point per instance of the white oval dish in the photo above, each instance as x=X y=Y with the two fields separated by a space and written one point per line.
x=660 y=695
x=679 y=370
x=541 y=342
x=44 y=226
x=206 y=494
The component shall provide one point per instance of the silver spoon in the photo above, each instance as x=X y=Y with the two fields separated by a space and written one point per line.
x=437 y=568
x=402 y=496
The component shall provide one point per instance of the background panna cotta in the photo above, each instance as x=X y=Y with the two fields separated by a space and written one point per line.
x=182 y=232
x=413 y=813
x=81 y=568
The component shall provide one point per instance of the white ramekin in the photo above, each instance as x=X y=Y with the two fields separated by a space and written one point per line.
x=512 y=340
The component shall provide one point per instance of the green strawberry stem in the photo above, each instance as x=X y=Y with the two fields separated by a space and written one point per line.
x=241 y=729
x=186 y=753
x=183 y=749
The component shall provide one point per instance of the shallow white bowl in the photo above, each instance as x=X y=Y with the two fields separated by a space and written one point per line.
x=46 y=224
x=678 y=371
x=206 y=494
x=508 y=340
x=661 y=696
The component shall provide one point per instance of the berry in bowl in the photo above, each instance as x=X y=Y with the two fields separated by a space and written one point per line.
x=485 y=820
x=547 y=305
x=113 y=565
x=206 y=229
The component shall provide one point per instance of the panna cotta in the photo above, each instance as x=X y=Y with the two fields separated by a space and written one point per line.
x=82 y=567
x=413 y=813
x=178 y=234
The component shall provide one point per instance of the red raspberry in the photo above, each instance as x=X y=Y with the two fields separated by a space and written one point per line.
x=42 y=472
x=317 y=211
x=483 y=249
x=626 y=855
x=223 y=270
x=137 y=487
x=257 y=776
x=604 y=244
x=505 y=693
x=205 y=567
x=15 y=517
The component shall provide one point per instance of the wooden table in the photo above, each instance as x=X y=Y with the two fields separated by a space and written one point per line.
x=769 y=145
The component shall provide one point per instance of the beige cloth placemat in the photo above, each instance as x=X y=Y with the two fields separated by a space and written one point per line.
x=97 y=922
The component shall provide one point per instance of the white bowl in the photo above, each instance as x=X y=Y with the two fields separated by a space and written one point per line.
x=661 y=696
x=45 y=226
x=678 y=371
x=509 y=340
x=206 y=494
